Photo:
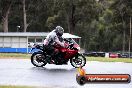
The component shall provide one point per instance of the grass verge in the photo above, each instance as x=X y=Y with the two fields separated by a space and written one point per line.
x=15 y=87
x=12 y=86
x=15 y=55
x=103 y=59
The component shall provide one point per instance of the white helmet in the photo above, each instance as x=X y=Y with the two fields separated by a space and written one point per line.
x=59 y=30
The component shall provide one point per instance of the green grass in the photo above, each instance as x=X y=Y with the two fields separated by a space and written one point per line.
x=103 y=59
x=15 y=55
x=15 y=87
x=12 y=86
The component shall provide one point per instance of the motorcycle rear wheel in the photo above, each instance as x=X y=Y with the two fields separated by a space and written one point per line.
x=78 y=61
x=37 y=59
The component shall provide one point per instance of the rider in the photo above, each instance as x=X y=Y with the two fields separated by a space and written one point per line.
x=54 y=37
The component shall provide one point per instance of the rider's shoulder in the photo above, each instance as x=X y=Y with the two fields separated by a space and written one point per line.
x=52 y=34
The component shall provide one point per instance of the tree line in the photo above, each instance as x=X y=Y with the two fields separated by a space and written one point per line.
x=104 y=25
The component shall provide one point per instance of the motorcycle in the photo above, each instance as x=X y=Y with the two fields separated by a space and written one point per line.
x=41 y=57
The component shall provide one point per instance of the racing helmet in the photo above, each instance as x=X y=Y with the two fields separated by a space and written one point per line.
x=59 y=30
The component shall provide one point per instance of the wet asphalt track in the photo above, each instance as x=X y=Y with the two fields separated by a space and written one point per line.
x=22 y=72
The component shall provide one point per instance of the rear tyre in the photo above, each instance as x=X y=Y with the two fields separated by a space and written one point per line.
x=78 y=61
x=37 y=59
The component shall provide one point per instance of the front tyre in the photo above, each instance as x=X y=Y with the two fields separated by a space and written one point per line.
x=37 y=59
x=78 y=61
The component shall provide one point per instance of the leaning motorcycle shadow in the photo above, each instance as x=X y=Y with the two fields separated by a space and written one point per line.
x=55 y=75
x=54 y=70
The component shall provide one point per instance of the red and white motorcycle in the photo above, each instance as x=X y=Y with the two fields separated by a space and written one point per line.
x=41 y=57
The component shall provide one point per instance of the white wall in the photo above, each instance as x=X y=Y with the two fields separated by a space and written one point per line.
x=1 y=41
x=13 y=42
x=23 y=42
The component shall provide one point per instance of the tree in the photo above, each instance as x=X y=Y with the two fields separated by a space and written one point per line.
x=24 y=16
x=122 y=12
x=6 y=6
x=100 y=24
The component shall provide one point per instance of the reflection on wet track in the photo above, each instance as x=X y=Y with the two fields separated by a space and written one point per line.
x=22 y=72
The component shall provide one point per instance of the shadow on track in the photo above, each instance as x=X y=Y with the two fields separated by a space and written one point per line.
x=54 y=70
x=60 y=76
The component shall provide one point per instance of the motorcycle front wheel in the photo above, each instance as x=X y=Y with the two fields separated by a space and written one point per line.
x=37 y=59
x=78 y=61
